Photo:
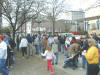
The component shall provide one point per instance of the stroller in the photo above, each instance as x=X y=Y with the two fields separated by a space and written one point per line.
x=71 y=62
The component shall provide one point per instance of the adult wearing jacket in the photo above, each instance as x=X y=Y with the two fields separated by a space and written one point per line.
x=37 y=45
x=30 y=46
x=67 y=45
x=85 y=47
x=3 y=56
x=55 y=50
x=10 y=50
x=44 y=43
x=23 y=45
x=73 y=40
x=62 y=42
x=92 y=58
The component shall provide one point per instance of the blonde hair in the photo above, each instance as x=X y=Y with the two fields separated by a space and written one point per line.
x=92 y=41
x=22 y=36
x=48 y=48
x=67 y=38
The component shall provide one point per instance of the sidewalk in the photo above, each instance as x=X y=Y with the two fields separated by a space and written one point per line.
x=68 y=70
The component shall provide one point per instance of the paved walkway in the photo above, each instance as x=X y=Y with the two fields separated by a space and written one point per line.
x=70 y=71
x=77 y=71
x=35 y=65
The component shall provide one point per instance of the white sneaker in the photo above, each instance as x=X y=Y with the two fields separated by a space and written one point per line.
x=11 y=67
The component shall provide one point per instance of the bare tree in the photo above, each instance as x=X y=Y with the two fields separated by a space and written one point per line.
x=55 y=8
x=18 y=12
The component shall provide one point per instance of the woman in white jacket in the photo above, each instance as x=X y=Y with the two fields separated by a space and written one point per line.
x=23 y=45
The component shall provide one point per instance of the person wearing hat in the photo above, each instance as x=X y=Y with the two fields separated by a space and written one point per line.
x=3 y=56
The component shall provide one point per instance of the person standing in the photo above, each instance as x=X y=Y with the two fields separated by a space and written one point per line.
x=84 y=47
x=73 y=40
x=30 y=46
x=92 y=58
x=23 y=45
x=37 y=45
x=62 y=42
x=67 y=45
x=3 y=56
x=44 y=43
x=17 y=42
x=55 y=50
x=10 y=50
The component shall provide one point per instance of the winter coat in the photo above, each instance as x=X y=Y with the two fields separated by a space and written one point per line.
x=55 y=46
x=29 y=39
x=74 y=48
x=44 y=43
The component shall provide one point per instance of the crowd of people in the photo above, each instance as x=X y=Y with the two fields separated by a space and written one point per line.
x=88 y=48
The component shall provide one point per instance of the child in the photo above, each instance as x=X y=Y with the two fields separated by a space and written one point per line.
x=49 y=56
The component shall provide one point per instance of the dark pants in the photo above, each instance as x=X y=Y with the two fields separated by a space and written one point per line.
x=93 y=69
x=8 y=61
x=24 y=51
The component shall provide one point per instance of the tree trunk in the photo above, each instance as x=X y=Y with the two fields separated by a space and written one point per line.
x=25 y=29
x=14 y=33
x=53 y=32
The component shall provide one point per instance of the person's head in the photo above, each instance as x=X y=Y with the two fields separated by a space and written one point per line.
x=28 y=34
x=91 y=42
x=6 y=36
x=44 y=37
x=67 y=38
x=73 y=38
x=49 y=48
x=1 y=37
x=22 y=36
x=55 y=38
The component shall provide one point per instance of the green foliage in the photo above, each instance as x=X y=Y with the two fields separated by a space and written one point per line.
x=6 y=30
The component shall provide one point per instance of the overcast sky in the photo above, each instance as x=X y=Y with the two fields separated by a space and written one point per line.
x=76 y=5
x=80 y=4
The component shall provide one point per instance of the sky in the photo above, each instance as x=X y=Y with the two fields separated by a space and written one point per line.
x=79 y=4
x=76 y=5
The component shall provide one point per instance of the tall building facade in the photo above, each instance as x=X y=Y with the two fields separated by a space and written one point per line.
x=72 y=17
x=91 y=12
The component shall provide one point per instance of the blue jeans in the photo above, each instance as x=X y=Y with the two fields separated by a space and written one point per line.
x=62 y=48
x=37 y=49
x=3 y=68
x=67 y=52
x=57 y=55
x=99 y=61
x=83 y=61
x=86 y=72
